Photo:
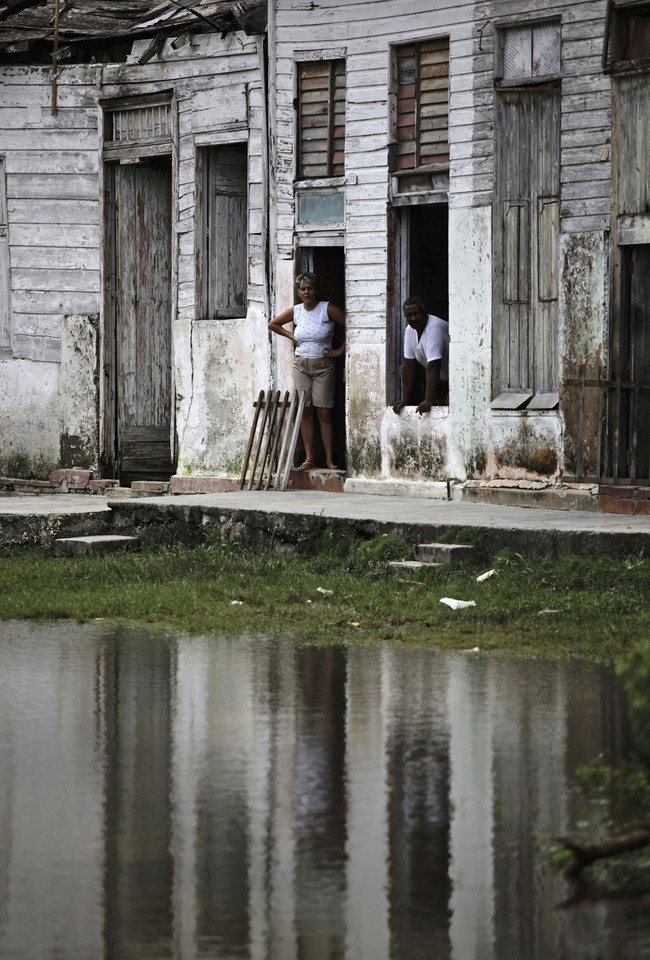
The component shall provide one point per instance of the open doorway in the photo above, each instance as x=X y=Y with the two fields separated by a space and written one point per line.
x=328 y=263
x=421 y=270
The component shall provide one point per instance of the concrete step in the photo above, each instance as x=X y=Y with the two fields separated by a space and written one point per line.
x=443 y=552
x=530 y=493
x=327 y=481
x=105 y=543
x=409 y=566
x=128 y=493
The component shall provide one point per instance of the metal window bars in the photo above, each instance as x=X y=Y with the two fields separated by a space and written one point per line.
x=611 y=426
x=272 y=441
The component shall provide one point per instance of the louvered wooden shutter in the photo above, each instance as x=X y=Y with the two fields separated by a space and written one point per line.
x=321 y=99
x=422 y=104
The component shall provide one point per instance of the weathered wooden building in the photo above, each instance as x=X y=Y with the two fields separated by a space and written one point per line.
x=491 y=157
x=133 y=284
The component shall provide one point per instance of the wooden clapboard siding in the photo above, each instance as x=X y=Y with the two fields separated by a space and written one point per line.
x=368 y=32
x=52 y=203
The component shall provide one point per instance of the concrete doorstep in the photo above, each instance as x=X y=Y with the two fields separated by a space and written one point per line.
x=105 y=543
x=432 y=555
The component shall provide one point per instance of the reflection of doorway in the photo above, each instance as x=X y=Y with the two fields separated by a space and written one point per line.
x=329 y=265
x=139 y=336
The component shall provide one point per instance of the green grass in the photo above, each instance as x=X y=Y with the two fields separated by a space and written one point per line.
x=603 y=605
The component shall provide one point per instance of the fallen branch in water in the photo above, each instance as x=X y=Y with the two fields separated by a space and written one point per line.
x=586 y=853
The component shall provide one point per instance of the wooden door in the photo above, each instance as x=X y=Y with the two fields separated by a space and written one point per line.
x=143 y=381
x=526 y=230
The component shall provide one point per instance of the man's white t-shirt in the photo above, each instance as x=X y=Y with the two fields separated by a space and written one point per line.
x=432 y=345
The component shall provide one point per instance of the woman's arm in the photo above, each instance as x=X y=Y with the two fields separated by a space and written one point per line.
x=276 y=325
x=336 y=314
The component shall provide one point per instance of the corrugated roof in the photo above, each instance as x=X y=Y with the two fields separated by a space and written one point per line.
x=32 y=21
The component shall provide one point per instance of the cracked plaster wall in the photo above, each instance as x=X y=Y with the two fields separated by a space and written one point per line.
x=49 y=409
x=220 y=367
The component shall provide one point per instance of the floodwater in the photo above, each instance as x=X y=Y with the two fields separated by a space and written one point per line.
x=193 y=798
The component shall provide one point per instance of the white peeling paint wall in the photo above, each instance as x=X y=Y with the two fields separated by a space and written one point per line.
x=49 y=374
x=48 y=388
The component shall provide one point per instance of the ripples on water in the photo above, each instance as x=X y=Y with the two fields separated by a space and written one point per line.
x=188 y=798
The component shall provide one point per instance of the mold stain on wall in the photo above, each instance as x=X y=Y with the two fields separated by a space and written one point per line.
x=527 y=452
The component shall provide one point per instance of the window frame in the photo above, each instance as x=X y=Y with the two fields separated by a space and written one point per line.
x=616 y=17
x=500 y=29
x=6 y=338
x=334 y=170
x=207 y=309
x=427 y=168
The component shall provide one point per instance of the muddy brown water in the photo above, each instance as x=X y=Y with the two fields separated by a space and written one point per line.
x=187 y=797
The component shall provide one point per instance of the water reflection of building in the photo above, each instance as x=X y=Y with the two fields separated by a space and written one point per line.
x=229 y=798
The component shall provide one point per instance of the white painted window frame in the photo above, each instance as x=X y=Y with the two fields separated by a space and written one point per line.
x=6 y=349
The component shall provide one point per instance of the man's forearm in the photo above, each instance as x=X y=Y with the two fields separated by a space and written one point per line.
x=432 y=380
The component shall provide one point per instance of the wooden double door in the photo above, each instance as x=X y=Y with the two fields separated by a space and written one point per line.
x=140 y=434
x=526 y=232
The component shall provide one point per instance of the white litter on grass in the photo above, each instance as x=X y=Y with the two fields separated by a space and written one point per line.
x=457 y=604
x=327 y=593
x=470 y=650
x=310 y=601
x=484 y=576
x=236 y=603
x=547 y=611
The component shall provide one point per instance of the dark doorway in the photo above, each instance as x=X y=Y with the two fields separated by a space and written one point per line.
x=139 y=275
x=329 y=265
x=628 y=436
x=421 y=270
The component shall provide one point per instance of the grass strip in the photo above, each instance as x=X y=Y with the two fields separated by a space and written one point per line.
x=574 y=606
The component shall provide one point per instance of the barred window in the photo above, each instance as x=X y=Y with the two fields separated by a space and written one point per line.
x=321 y=119
x=627 y=44
x=422 y=111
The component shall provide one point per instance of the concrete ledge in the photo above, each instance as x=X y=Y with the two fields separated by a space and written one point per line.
x=329 y=481
x=179 y=485
x=546 y=498
x=106 y=543
x=428 y=490
x=629 y=501
x=443 y=552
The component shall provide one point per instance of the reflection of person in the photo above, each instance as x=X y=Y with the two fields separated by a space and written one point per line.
x=426 y=349
x=314 y=367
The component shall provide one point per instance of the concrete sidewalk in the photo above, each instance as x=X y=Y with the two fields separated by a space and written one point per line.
x=292 y=515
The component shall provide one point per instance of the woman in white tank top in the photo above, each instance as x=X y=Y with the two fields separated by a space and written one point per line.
x=314 y=369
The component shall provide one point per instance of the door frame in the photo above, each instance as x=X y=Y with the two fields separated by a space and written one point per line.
x=110 y=158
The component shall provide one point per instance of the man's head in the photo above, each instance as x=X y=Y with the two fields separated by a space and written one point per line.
x=415 y=313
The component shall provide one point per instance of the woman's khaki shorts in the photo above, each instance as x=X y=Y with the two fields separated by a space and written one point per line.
x=317 y=377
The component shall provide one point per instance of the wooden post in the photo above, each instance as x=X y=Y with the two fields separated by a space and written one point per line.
x=273 y=459
x=258 y=407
